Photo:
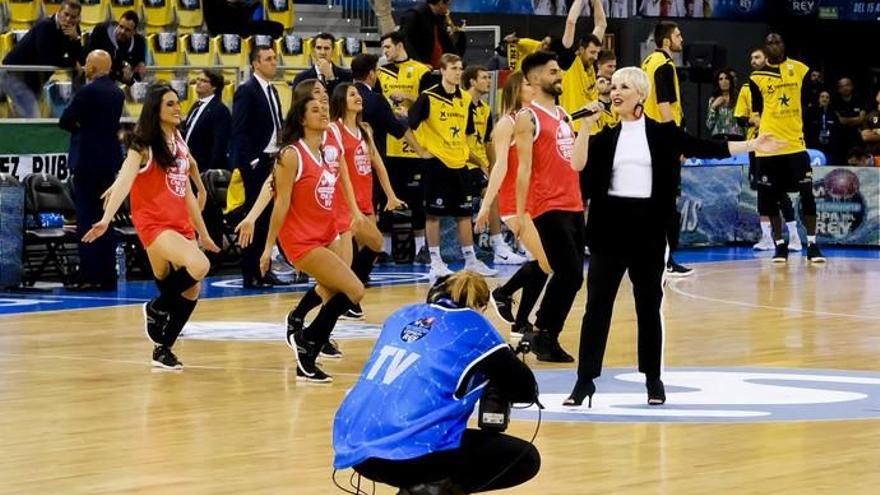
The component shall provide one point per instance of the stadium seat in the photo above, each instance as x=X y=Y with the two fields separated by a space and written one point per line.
x=199 y=49
x=158 y=15
x=119 y=7
x=46 y=193
x=50 y=7
x=184 y=93
x=165 y=49
x=22 y=13
x=94 y=12
x=9 y=40
x=134 y=98
x=58 y=95
x=285 y=94
x=231 y=49
x=189 y=15
x=280 y=11
x=292 y=51
x=228 y=93
x=349 y=48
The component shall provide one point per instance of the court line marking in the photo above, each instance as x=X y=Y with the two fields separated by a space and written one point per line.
x=673 y=285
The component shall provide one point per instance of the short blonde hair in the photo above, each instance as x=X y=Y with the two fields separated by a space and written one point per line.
x=468 y=288
x=633 y=77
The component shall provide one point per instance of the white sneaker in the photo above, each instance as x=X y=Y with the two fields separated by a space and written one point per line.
x=508 y=257
x=480 y=268
x=765 y=244
x=438 y=270
x=794 y=243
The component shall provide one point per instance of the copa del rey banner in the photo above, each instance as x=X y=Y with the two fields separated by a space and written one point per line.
x=21 y=166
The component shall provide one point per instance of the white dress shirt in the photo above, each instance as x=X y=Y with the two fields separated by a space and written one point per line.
x=272 y=147
x=191 y=121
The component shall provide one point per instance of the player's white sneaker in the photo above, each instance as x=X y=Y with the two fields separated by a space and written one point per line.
x=480 y=268
x=765 y=244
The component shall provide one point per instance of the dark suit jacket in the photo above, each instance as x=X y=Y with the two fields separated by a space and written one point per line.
x=134 y=54
x=342 y=75
x=209 y=140
x=377 y=112
x=667 y=143
x=418 y=25
x=44 y=44
x=92 y=118
x=252 y=125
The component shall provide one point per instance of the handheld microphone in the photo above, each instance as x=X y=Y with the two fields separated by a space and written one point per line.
x=584 y=112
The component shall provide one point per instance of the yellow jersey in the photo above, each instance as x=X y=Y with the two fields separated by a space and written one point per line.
x=516 y=52
x=395 y=77
x=776 y=94
x=481 y=114
x=743 y=110
x=442 y=122
x=609 y=118
x=578 y=88
x=664 y=86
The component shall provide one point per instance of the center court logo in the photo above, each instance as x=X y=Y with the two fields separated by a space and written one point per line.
x=717 y=395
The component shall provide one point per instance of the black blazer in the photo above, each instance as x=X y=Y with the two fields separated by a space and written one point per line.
x=252 y=125
x=378 y=113
x=134 y=54
x=92 y=118
x=667 y=143
x=418 y=24
x=209 y=140
x=342 y=75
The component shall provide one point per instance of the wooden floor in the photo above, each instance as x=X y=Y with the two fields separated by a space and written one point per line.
x=81 y=412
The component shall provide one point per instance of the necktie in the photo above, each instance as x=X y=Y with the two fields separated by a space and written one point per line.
x=191 y=119
x=275 y=105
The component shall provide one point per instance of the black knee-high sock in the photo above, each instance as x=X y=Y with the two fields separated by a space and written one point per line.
x=182 y=309
x=322 y=325
x=309 y=301
x=530 y=294
x=519 y=279
x=177 y=282
x=363 y=262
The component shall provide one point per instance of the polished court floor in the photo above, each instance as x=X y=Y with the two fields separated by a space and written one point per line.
x=772 y=373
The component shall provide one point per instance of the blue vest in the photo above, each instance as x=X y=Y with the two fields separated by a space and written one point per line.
x=404 y=405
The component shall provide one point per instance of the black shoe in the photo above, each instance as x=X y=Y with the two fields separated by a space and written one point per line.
x=423 y=257
x=384 y=259
x=255 y=283
x=814 y=255
x=164 y=358
x=331 y=350
x=300 y=277
x=273 y=279
x=294 y=324
x=781 y=254
x=547 y=347
x=583 y=389
x=306 y=355
x=443 y=487
x=355 y=313
x=656 y=392
x=675 y=270
x=520 y=331
x=503 y=305
x=155 y=323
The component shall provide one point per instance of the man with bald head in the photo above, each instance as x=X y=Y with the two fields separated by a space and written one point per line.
x=94 y=159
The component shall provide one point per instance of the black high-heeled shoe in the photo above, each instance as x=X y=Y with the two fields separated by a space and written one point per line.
x=582 y=389
x=656 y=392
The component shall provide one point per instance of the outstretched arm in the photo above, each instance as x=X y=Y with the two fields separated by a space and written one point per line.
x=119 y=191
x=571 y=23
x=599 y=19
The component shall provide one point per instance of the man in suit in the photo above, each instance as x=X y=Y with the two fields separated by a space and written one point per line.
x=127 y=48
x=430 y=34
x=208 y=124
x=94 y=158
x=324 y=69
x=54 y=40
x=256 y=129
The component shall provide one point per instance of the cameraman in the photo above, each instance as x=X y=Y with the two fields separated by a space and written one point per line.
x=405 y=421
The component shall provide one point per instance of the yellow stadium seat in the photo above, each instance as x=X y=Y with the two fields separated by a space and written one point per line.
x=285 y=93
x=186 y=94
x=228 y=93
x=5 y=44
x=119 y=7
x=231 y=51
x=10 y=39
x=166 y=49
x=199 y=49
x=23 y=13
x=94 y=12
x=158 y=15
x=280 y=11
x=51 y=6
x=134 y=98
x=292 y=51
x=189 y=15
x=349 y=48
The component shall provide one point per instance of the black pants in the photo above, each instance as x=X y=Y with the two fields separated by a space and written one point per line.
x=481 y=457
x=562 y=234
x=253 y=178
x=96 y=259
x=639 y=247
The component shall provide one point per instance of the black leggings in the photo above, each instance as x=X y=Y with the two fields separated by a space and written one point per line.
x=562 y=235
x=479 y=458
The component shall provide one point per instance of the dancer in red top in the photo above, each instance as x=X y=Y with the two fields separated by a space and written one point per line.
x=304 y=221
x=166 y=216
x=549 y=159
x=531 y=276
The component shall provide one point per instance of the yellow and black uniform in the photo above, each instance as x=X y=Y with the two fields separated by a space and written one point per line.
x=408 y=76
x=516 y=52
x=664 y=86
x=743 y=111
x=578 y=89
x=442 y=122
x=608 y=118
x=481 y=114
x=778 y=96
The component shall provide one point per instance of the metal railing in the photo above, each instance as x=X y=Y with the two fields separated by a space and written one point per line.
x=358 y=10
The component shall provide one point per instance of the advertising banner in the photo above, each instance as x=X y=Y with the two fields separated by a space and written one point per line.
x=20 y=166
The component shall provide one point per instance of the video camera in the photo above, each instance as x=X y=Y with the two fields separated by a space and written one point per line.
x=494 y=412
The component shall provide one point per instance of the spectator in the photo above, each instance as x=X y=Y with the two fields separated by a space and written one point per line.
x=859 y=157
x=850 y=113
x=237 y=17
x=821 y=129
x=127 y=48
x=92 y=119
x=324 y=69
x=579 y=80
x=54 y=40
x=720 y=120
x=606 y=64
x=431 y=32
x=207 y=126
x=815 y=85
x=871 y=129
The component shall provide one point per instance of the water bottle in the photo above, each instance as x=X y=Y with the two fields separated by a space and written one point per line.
x=120 y=261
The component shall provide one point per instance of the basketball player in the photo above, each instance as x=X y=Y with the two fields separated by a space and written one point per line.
x=548 y=166
x=164 y=212
x=778 y=96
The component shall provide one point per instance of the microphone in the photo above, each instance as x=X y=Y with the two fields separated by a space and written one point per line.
x=584 y=112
